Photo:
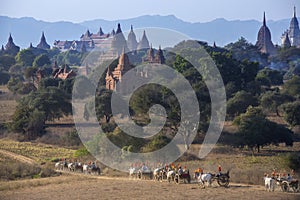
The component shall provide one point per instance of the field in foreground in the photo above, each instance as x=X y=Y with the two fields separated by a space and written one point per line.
x=84 y=187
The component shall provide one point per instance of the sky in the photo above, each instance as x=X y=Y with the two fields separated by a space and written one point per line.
x=188 y=10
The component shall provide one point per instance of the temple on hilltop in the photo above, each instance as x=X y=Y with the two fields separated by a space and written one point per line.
x=291 y=37
x=43 y=44
x=10 y=47
x=264 y=42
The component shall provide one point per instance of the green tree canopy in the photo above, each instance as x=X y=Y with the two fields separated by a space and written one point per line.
x=291 y=112
x=41 y=60
x=30 y=73
x=271 y=100
x=292 y=87
x=269 y=77
x=242 y=50
x=255 y=131
x=6 y=61
x=240 y=102
x=37 y=107
x=25 y=57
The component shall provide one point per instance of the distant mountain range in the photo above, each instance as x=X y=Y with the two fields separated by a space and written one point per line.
x=25 y=30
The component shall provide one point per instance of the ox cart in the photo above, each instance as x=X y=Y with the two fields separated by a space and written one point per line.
x=145 y=174
x=286 y=185
x=185 y=177
x=222 y=179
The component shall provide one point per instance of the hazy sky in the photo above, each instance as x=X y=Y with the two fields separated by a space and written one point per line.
x=188 y=10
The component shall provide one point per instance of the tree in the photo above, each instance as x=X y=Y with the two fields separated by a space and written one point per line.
x=6 y=61
x=16 y=69
x=102 y=106
x=14 y=84
x=49 y=82
x=291 y=113
x=30 y=72
x=242 y=50
x=292 y=87
x=294 y=69
x=240 y=102
x=269 y=77
x=255 y=131
x=53 y=101
x=28 y=121
x=271 y=100
x=25 y=57
x=41 y=60
x=36 y=122
x=34 y=109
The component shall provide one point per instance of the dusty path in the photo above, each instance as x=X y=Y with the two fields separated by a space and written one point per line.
x=90 y=187
x=17 y=157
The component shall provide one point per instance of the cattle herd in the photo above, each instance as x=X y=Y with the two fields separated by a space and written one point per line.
x=179 y=175
x=86 y=168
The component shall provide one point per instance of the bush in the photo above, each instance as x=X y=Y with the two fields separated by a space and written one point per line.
x=81 y=152
x=292 y=160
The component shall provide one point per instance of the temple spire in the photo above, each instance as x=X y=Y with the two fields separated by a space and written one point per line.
x=43 y=36
x=10 y=39
x=119 y=30
x=131 y=28
x=294 y=11
x=264 y=20
x=100 y=32
x=43 y=44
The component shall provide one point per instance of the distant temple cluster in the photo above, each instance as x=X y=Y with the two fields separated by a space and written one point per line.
x=115 y=39
x=115 y=44
x=290 y=37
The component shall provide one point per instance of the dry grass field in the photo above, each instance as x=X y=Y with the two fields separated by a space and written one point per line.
x=115 y=185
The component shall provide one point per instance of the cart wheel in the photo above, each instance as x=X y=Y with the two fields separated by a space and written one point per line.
x=284 y=186
x=176 y=179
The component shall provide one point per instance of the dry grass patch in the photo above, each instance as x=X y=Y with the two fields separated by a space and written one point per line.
x=37 y=151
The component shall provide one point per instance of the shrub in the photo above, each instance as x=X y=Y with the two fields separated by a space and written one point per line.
x=292 y=160
x=81 y=152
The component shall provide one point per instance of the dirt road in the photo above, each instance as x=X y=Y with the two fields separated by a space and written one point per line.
x=87 y=187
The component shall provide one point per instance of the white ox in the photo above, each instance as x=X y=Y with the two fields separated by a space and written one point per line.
x=132 y=172
x=269 y=183
x=156 y=173
x=170 y=175
x=85 y=168
x=202 y=178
